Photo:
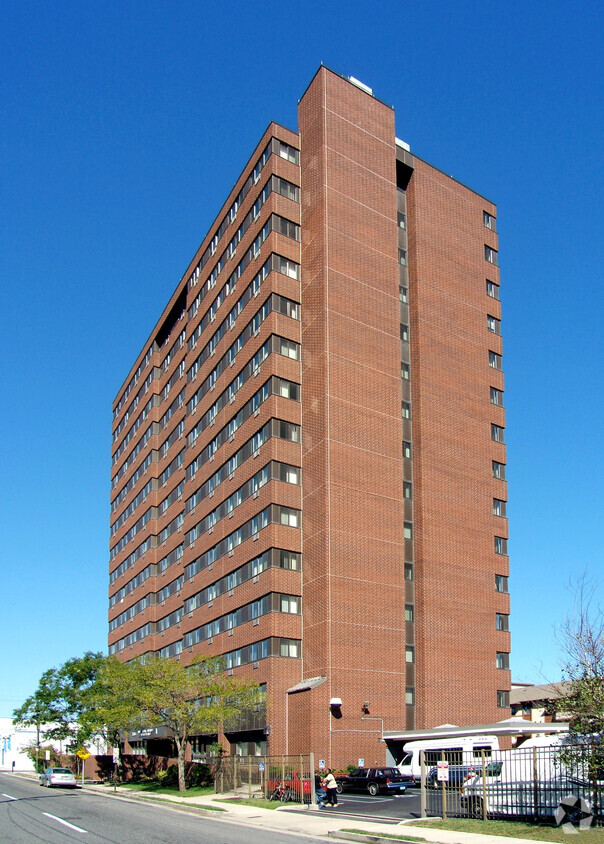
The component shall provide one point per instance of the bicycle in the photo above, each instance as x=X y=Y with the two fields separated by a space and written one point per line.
x=281 y=793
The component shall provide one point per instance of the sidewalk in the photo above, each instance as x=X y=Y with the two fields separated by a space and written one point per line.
x=308 y=821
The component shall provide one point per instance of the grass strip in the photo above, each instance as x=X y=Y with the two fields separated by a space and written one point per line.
x=155 y=788
x=256 y=802
x=514 y=829
x=384 y=835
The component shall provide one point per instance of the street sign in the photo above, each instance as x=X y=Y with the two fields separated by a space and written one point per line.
x=321 y=764
x=82 y=753
x=361 y=763
x=47 y=755
x=442 y=771
x=116 y=756
x=260 y=766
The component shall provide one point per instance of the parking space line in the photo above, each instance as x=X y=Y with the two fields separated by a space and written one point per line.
x=8 y=797
x=70 y=825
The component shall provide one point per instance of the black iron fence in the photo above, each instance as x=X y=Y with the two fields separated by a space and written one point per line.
x=557 y=784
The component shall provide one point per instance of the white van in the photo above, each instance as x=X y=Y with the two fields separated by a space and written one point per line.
x=456 y=751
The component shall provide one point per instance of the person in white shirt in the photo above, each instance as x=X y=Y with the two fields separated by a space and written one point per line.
x=331 y=787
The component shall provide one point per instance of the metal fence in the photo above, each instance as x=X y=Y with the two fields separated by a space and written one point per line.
x=521 y=784
x=283 y=778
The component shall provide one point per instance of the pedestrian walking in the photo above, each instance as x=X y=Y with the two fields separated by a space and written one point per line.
x=331 y=787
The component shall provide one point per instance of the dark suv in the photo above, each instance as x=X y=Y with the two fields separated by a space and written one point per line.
x=373 y=780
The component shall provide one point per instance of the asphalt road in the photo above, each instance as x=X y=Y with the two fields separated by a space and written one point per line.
x=29 y=813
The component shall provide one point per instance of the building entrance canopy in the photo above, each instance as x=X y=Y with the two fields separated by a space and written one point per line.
x=515 y=726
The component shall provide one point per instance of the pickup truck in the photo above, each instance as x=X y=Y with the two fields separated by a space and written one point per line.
x=373 y=781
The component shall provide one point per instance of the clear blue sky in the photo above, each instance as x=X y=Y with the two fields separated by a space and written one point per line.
x=122 y=127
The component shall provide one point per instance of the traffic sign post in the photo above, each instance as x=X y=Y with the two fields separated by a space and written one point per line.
x=82 y=754
x=442 y=776
x=116 y=762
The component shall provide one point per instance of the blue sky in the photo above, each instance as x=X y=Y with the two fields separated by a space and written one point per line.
x=122 y=127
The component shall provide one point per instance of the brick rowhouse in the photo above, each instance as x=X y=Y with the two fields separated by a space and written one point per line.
x=308 y=470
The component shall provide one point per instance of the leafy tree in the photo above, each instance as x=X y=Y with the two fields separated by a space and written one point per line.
x=582 y=696
x=109 y=707
x=187 y=699
x=59 y=702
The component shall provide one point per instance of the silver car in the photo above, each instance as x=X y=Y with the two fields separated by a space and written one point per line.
x=58 y=776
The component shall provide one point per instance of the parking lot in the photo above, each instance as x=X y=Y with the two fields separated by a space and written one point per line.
x=388 y=809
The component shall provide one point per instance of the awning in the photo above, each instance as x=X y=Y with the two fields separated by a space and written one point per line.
x=515 y=726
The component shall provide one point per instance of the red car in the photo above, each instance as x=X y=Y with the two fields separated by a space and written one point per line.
x=291 y=783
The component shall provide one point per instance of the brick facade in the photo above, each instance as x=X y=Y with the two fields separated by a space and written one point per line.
x=303 y=450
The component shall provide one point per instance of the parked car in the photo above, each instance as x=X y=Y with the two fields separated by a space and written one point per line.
x=374 y=781
x=58 y=776
x=291 y=783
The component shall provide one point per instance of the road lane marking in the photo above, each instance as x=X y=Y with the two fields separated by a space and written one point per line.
x=8 y=797
x=60 y=820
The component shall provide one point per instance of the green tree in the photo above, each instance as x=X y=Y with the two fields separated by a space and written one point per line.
x=59 y=702
x=109 y=706
x=582 y=697
x=187 y=699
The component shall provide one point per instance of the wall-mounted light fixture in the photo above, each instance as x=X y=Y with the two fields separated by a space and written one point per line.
x=335 y=705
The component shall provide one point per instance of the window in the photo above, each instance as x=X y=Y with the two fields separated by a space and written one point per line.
x=405 y=371
x=503 y=661
x=289 y=647
x=501 y=545
x=497 y=433
x=409 y=612
x=402 y=220
x=496 y=396
x=407 y=490
x=501 y=583
x=499 y=470
x=409 y=653
x=407 y=450
x=404 y=332
x=288 y=348
x=493 y=324
x=503 y=699
x=406 y=410
x=408 y=530
x=289 y=517
x=290 y=604
x=409 y=697
x=403 y=295
x=490 y=255
x=492 y=289
x=489 y=221
x=502 y=621
x=408 y=571
x=499 y=508
x=402 y=257
x=495 y=360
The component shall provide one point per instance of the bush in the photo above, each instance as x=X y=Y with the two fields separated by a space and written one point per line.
x=170 y=777
x=200 y=775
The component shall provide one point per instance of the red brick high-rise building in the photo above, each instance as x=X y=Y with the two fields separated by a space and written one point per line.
x=308 y=454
